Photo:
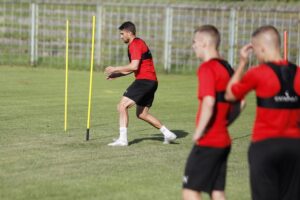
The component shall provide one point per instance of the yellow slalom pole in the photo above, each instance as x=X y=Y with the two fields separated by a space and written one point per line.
x=91 y=81
x=66 y=80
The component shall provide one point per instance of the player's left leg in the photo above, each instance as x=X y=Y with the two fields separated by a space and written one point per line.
x=142 y=112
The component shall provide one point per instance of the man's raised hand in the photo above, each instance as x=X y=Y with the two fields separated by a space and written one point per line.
x=245 y=52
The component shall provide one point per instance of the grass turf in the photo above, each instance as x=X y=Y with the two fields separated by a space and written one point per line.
x=39 y=161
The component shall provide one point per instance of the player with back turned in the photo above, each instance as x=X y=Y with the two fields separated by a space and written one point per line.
x=274 y=153
x=141 y=92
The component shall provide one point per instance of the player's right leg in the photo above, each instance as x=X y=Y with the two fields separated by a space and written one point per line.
x=142 y=112
x=218 y=195
x=123 y=106
x=288 y=167
x=188 y=194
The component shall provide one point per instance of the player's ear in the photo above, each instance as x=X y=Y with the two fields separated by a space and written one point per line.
x=204 y=44
x=129 y=33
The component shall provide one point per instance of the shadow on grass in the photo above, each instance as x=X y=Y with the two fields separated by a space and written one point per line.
x=241 y=137
x=159 y=137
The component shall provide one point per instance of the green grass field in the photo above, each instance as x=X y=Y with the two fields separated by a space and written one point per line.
x=39 y=161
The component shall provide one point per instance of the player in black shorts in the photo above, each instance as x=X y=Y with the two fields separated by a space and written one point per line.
x=141 y=92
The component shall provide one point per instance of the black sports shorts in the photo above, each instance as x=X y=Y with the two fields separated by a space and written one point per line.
x=206 y=169
x=275 y=169
x=142 y=92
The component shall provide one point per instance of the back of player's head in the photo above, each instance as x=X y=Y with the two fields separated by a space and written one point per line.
x=212 y=31
x=270 y=34
x=128 y=26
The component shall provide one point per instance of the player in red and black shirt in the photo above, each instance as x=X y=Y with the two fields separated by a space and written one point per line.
x=274 y=153
x=141 y=92
x=206 y=165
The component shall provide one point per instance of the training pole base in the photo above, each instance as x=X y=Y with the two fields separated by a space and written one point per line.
x=87 y=136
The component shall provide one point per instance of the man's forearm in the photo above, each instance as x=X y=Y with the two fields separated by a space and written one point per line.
x=207 y=109
x=237 y=76
x=124 y=69
x=205 y=117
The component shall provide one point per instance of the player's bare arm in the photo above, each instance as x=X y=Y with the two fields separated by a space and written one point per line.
x=207 y=108
x=237 y=76
x=114 y=72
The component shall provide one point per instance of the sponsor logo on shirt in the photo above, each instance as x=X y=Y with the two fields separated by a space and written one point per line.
x=286 y=98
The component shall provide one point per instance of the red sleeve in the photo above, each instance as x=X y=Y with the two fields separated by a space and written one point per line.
x=247 y=83
x=206 y=82
x=136 y=51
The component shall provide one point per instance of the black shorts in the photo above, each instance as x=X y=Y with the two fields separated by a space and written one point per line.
x=206 y=169
x=142 y=92
x=275 y=169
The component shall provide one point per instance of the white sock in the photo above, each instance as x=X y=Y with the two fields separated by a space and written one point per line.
x=123 y=134
x=166 y=132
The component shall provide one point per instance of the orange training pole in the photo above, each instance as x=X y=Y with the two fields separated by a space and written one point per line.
x=285 y=44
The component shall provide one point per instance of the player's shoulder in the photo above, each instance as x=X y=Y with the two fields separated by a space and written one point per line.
x=260 y=68
x=207 y=64
x=216 y=63
x=138 y=41
x=258 y=72
x=205 y=68
x=212 y=65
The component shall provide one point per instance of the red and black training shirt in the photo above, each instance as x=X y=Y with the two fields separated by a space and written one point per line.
x=269 y=122
x=138 y=50
x=212 y=78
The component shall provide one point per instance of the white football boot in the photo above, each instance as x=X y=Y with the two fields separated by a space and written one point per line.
x=170 y=137
x=118 y=143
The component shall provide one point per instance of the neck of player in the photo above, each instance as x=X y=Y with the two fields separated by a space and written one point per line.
x=273 y=57
x=131 y=39
x=210 y=54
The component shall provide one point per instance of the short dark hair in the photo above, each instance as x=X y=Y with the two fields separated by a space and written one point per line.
x=267 y=28
x=129 y=26
x=211 y=30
